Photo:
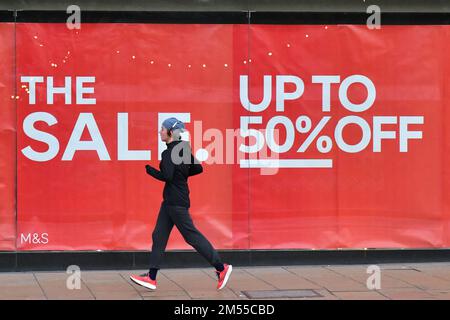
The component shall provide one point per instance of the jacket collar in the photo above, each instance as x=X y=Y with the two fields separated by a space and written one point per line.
x=170 y=145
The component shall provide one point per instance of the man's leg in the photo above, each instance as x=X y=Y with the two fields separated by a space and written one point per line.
x=182 y=219
x=160 y=238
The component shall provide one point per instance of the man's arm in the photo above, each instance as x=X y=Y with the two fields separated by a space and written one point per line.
x=195 y=167
x=167 y=168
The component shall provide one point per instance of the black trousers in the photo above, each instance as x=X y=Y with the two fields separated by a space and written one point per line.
x=180 y=217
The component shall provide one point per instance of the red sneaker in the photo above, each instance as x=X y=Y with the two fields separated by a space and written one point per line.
x=144 y=280
x=224 y=275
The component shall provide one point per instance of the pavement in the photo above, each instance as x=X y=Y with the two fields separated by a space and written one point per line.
x=417 y=281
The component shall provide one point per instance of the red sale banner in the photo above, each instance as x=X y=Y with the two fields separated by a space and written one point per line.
x=91 y=110
x=311 y=137
x=369 y=107
x=7 y=140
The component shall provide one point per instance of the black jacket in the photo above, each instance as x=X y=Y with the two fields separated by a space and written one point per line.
x=174 y=171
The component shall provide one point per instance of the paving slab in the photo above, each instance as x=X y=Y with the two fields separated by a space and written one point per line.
x=332 y=282
x=328 y=279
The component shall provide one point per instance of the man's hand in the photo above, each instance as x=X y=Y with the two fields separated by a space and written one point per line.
x=148 y=168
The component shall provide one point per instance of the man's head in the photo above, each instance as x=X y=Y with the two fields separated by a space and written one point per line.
x=171 y=130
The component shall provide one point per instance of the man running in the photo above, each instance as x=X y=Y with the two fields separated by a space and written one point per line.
x=174 y=171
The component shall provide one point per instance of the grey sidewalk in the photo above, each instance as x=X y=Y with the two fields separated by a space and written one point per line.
x=398 y=281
